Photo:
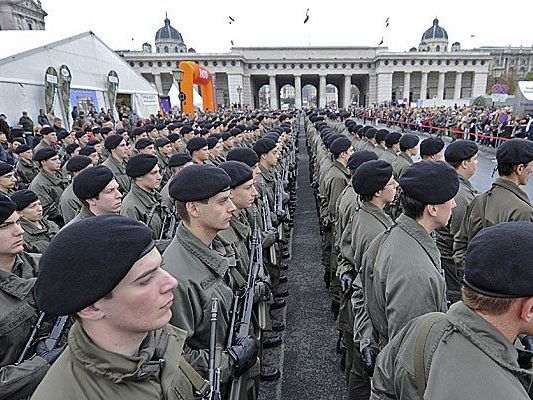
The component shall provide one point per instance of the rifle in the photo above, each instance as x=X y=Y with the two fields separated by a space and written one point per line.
x=267 y=223
x=247 y=305
x=36 y=327
x=213 y=374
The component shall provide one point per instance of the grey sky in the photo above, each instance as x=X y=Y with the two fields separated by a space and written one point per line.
x=205 y=24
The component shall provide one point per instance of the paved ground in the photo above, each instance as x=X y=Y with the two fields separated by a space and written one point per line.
x=310 y=365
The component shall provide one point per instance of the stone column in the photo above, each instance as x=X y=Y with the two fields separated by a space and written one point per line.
x=424 y=86
x=458 y=85
x=479 y=84
x=273 y=92
x=158 y=84
x=347 y=91
x=322 y=91
x=298 y=91
x=440 y=87
x=407 y=85
x=384 y=87
x=235 y=81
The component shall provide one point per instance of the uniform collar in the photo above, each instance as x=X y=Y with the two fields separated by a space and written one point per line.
x=512 y=187
x=406 y=157
x=19 y=282
x=377 y=213
x=419 y=233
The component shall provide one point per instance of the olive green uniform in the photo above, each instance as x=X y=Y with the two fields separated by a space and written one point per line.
x=26 y=172
x=69 y=204
x=36 y=239
x=119 y=170
x=400 y=164
x=49 y=188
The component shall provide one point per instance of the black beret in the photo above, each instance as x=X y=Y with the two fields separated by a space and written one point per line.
x=62 y=135
x=173 y=137
x=238 y=172
x=105 y=130
x=371 y=177
x=263 y=146
x=92 y=181
x=226 y=136
x=431 y=146
x=243 y=154
x=460 y=150
x=70 y=268
x=203 y=132
x=5 y=168
x=96 y=129
x=71 y=147
x=371 y=133
x=143 y=143
x=212 y=141
x=149 y=127
x=44 y=154
x=199 y=182
x=87 y=150
x=515 y=151
x=381 y=135
x=340 y=144
x=23 y=198
x=359 y=157
x=392 y=138
x=93 y=142
x=430 y=182
x=162 y=141
x=77 y=163
x=498 y=261
x=196 y=143
x=179 y=159
x=7 y=208
x=79 y=134
x=408 y=141
x=140 y=165
x=112 y=142
x=160 y=127
x=47 y=130
x=137 y=132
x=22 y=148
x=185 y=129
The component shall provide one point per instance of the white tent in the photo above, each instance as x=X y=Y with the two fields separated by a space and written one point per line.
x=89 y=60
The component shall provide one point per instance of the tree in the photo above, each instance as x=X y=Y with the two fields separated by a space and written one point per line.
x=480 y=101
x=529 y=76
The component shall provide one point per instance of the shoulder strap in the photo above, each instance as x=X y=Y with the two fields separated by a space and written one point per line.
x=199 y=384
x=420 y=344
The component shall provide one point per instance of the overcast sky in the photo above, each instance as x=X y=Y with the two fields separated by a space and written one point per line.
x=205 y=24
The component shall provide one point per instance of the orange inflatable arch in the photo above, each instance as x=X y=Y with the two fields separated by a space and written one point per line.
x=194 y=74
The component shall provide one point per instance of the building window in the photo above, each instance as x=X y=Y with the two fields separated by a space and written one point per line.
x=437 y=48
x=275 y=66
x=386 y=62
x=249 y=66
x=294 y=66
x=439 y=62
x=465 y=62
x=267 y=66
x=335 y=65
x=283 y=66
x=258 y=66
x=482 y=62
x=369 y=65
x=395 y=62
x=412 y=62
x=169 y=64
x=233 y=63
x=206 y=64
x=352 y=65
x=421 y=62
x=343 y=65
x=166 y=49
x=132 y=64
x=141 y=64
x=326 y=66
x=474 y=62
x=447 y=62
x=176 y=49
x=157 y=50
x=310 y=65
x=215 y=63
x=456 y=62
x=150 y=64
x=318 y=65
x=430 y=62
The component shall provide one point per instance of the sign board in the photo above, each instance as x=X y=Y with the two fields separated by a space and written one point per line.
x=51 y=78
x=149 y=99
x=524 y=98
x=499 y=97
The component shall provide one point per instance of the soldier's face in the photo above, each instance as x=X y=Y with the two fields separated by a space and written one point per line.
x=524 y=172
x=121 y=151
x=217 y=213
x=148 y=150
x=443 y=212
x=152 y=180
x=53 y=164
x=109 y=200
x=389 y=191
x=243 y=196
x=33 y=212
x=142 y=301
x=8 y=181
x=94 y=158
x=11 y=240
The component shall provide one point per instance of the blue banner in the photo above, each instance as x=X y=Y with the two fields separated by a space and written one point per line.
x=85 y=99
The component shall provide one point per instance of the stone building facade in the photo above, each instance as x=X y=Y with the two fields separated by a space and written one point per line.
x=21 y=15
x=435 y=71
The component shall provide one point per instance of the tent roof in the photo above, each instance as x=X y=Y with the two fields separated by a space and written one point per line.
x=88 y=58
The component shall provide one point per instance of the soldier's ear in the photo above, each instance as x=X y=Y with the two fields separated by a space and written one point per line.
x=192 y=209
x=526 y=311
x=92 y=312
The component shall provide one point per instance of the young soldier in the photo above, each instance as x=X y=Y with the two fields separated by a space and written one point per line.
x=468 y=352
x=38 y=230
x=118 y=150
x=69 y=204
x=164 y=150
x=8 y=180
x=432 y=149
x=392 y=144
x=121 y=345
x=408 y=149
x=26 y=170
x=198 y=149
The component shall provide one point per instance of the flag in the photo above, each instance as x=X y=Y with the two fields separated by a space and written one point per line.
x=232 y=43
x=387 y=22
x=472 y=36
x=231 y=19
x=380 y=43
x=306 y=16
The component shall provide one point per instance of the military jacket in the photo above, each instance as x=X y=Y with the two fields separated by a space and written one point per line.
x=166 y=174
x=400 y=164
x=203 y=275
x=336 y=180
x=36 y=240
x=237 y=236
x=503 y=202
x=86 y=371
x=49 y=188
x=405 y=280
x=388 y=155
x=145 y=207
x=465 y=357
x=69 y=204
x=119 y=170
x=26 y=172
x=17 y=316
x=84 y=213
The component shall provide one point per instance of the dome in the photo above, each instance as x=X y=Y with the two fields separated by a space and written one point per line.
x=167 y=33
x=435 y=32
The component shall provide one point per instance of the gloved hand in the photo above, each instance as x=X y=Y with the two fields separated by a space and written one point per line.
x=327 y=225
x=244 y=354
x=262 y=291
x=346 y=282
x=527 y=341
x=282 y=215
x=369 y=355
x=49 y=355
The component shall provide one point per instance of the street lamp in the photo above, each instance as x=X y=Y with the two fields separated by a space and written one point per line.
x=177 y=74
x=239 y=92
